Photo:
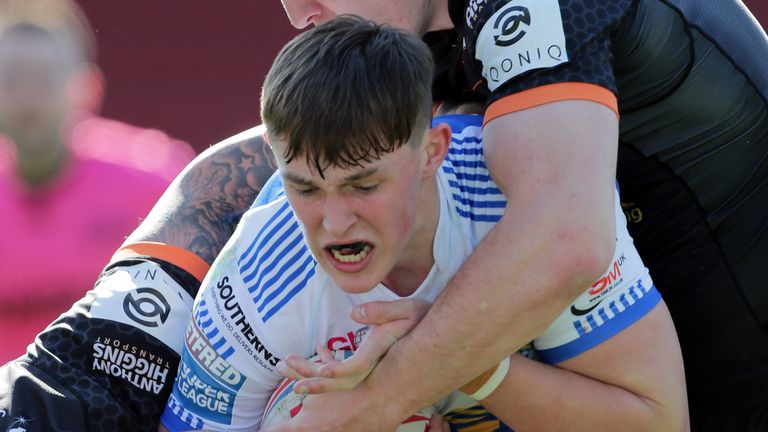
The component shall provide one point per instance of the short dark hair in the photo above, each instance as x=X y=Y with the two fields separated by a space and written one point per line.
x=347 y=92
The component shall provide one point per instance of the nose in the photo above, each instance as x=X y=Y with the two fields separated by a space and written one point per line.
x=301 y=13
x=338 y=216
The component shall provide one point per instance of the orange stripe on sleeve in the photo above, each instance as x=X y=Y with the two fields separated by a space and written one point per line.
x=177 y=256
x=551 y=93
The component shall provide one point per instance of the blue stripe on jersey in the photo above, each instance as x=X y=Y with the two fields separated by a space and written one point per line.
x=281 y=216
x=477 y=203
x=219 y=343
x=473 y=192
x=477 y=217
x=228 y=353
x=274 y=262
x=211 y=332
x=459 y=121
x=300 y=253
x=473 y=164
x=465 y=151
x=292 y=284
x=467 y=140
x=175 y=418
x=296 y=288
x=461 y=175
x=598 y=333
x=277 y=264
x=262 y=251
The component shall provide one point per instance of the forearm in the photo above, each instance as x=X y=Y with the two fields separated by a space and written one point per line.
x=538 y=397
x=470 y=327
x=546 y=250
x=201 y=208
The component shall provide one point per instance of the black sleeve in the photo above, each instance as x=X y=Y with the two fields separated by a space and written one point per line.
x=108 y=363
x=512 y=46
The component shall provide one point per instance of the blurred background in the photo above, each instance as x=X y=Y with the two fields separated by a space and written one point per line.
x=195 y=71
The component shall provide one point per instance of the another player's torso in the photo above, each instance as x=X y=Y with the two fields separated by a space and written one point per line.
x=691 y=84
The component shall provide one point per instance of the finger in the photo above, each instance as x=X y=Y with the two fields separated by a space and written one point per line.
x=325 y=354
x=362 y=361
x=302 y=366
x=377 y=342
x=380 y=312
x=288 y=372
x=323 y=385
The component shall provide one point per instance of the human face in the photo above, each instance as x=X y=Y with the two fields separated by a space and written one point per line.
x=415 y=16
x=361 y=222
x=32 y=92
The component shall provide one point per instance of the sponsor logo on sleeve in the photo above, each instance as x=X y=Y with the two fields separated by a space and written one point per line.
x=600 y=289
x=147 y=307
x=145 y=297
x=521 y=36
x=137 y=366
x=207 y=383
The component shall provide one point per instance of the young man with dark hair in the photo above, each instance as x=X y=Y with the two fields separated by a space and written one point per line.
x=375 y=211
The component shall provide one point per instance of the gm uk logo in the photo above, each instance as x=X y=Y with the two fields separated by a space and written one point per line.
x=511 y=24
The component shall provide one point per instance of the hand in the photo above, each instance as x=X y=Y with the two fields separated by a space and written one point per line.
x=389 y=321
x=353 y=411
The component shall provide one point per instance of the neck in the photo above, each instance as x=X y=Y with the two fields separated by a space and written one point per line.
x=441 y=18
x=418 y=258
x=40 y=168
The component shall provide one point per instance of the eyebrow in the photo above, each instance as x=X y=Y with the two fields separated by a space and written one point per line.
x=294 y=178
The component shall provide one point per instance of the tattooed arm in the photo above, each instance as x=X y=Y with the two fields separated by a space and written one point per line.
x=200 y=210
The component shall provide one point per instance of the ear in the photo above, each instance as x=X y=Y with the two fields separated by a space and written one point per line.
x=438 y=141
x=85 y=89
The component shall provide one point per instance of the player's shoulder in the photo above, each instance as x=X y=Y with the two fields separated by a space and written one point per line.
x=270 y=232
x=267 y=264
x=467 y=182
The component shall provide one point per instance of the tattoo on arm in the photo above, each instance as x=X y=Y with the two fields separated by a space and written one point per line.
x=200 y=210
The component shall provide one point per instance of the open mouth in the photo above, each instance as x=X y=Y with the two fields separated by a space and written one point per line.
x=350 y=252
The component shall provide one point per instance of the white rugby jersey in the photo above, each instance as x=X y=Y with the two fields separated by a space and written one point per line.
x=265 y=297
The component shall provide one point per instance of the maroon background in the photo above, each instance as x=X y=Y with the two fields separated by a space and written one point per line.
x=195 y=68
x=192 y=68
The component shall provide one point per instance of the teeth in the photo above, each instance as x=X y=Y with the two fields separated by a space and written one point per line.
x=351 y=258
